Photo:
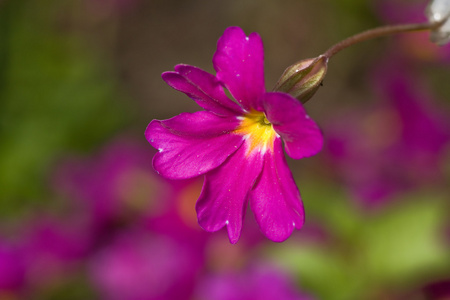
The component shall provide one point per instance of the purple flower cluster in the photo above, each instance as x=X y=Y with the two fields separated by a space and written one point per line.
x=399 y=143
x=129 y=235
x=396 y=145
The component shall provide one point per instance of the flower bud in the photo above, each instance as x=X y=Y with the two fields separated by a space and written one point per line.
x=303 y=78
x=439 y=11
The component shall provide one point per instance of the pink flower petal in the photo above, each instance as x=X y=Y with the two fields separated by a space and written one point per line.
x=275 y=199
x=239 y=62
x=301 y=135
x=203 y=88
x=192 y=144
x=223 y=200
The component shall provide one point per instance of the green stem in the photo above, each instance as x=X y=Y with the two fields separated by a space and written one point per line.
x=379 y=32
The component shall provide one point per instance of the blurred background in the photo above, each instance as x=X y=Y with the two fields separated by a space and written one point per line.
x=84 y=216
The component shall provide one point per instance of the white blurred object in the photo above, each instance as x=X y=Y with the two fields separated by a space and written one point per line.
x=438 y=11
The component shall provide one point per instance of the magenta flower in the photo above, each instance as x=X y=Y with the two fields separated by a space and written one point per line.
x=236 y=144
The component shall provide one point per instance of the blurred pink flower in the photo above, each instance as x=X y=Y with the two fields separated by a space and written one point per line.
x=141 y=258
x=138 y=265
x=260 y=281
x=116 y=186
x=394 y=145
x=52 y=248
x=12 y=270
x=40 y=255
x=438 y=290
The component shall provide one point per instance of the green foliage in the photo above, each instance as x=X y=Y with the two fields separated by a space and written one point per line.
x=402 y=244
x=367 y=253
x=55 y=97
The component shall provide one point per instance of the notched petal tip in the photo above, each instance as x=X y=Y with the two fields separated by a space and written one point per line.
x=239 y=63
x=215 y=222
x=278 y=226
x=233 y=238
x=233 y=231
x=234 y=30
x=224 y=197
x=275 y=199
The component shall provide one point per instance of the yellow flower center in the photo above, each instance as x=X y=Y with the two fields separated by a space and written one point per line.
x=257 y=131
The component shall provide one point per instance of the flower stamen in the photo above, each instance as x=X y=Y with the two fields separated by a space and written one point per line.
x=257 y=131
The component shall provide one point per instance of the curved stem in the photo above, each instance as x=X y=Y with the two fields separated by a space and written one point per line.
x=379 y=32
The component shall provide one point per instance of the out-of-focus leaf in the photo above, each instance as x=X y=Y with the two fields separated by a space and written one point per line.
x=369 y=252
x=323 y=272
x=55 y=98
x=405 y=243
x=329 y=205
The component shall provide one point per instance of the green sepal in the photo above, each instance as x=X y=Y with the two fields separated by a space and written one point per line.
x=303 y=78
